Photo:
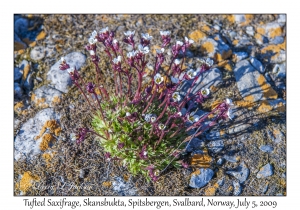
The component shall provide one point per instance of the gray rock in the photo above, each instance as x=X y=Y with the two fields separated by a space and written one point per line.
x=61 y=79
x=276 y=136
x=250 y=30
x=202 y=179
x=213 y=135
x=215 y=146
x=232 y=159
x=17 y=74
x=241 y=173
x=238 y=128
x=220 y=161
x=123 y=188
x=194 y=144
x=277 y=40
x=37 y=53
x=28 y=83
x=206 y=80
x=279 y=71
x=240 y=56
x=221 y=181
x=47 y=93
x=281 y=19
x=21 y=26
x=18 y=91
x=265 y=171
x=250 y=82
x=257 y=65
x=25 y=144
x=237 y=188
x=264 y=189
x=266 y=148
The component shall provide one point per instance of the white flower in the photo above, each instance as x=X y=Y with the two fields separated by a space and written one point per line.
x=92 y=40
x=129 y=33
x=165 y=33
x=177 y=61
x=73 y=136
x=193 y=118
x=158 y=78
x=179 y=113
x=179 y=43
x=174 y=80
x=191 y=73
x=159 y=51
x=145 y=153
x=94 y=34
x=153 y=118
x=161 y=126
x=127 y=114
x=117 y=60
x=131 y=54
x=205 y=91
x=228 y=101
x=103 y=30
x=229 y=114
x=148 y=117
x=92 y=52
x=146 y=36
x=176 y=96
x=71 y=70
x=189 y=41
x=115 y=41
x=143 y=50
x=62 y=59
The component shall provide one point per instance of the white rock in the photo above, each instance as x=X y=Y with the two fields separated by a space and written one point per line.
x=37 y=53
x=61 y=79
x=47 y=93
x=25 y=145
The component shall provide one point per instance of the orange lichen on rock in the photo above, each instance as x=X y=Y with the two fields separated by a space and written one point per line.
x=52 y=125
x=106 y=184
x=32 y=44
x=249 y=98
x=196 y=172
x=264 y=107
x=205 y=28
x=231 y=18
x=48 y=157
x=56 y=99
x=274 y=49
x=207 y=47
x=27 y=181
x=258 y=37
x=248 y=19
x=281 y=107
x=275 y=32
x=245 y=104
x=261 y=30
x=211 y=190
x=213 y=88
x=47 y=139
x=26 y=71
x=201 y=160
x=41 y=36
x=235 y=42
x=225 y=54
x=222 y=132
x=18 y=106
x=268 y=91
x=126 y=177
x=197 y=35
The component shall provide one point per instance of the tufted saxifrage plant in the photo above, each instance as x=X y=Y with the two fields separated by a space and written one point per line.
x=145 y=125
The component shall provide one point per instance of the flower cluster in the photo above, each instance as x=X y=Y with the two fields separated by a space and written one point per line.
x=145 y=125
